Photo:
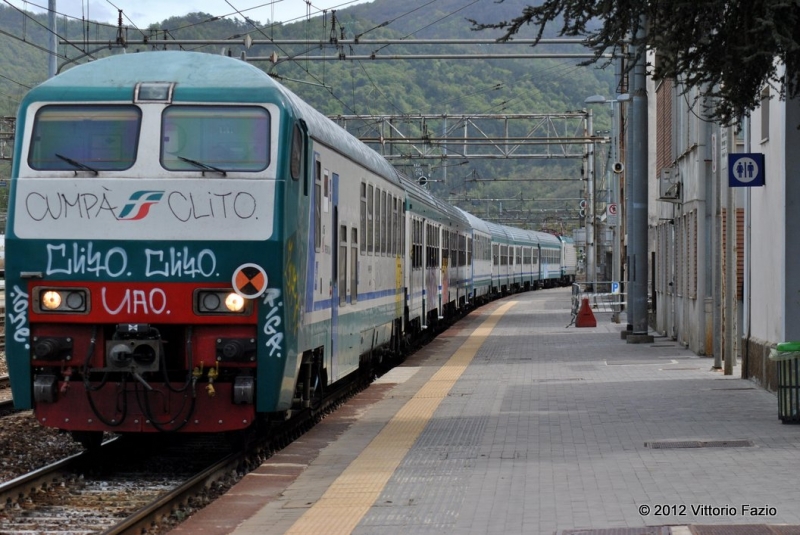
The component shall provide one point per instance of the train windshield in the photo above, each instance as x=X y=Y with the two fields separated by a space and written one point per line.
x=83 y=137
x=215 y=138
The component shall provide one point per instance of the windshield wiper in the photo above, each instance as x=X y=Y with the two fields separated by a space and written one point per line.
x=203 y=166
x=79 y=165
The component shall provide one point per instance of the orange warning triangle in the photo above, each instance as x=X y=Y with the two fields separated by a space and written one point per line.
x=585 y=316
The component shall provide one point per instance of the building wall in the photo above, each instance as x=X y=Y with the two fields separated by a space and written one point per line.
x=766 y=233
x=679 y=229
x=687 y=237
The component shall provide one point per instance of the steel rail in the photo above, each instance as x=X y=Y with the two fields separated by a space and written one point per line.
x=164 y=505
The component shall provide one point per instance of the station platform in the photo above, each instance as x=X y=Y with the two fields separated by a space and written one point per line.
x=510 y=422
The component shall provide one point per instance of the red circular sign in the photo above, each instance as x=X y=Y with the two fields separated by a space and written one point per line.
x=250 y=281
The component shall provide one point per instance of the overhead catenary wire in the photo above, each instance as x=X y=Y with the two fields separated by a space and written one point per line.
x=59 y=13
x=28 y=16
x=126 y=16
x=315 y=78
x=432 y=23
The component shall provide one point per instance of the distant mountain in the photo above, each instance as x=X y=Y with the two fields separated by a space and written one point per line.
x=367 y=86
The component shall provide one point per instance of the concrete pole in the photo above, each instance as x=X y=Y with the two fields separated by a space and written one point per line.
x=51 y=22
x=637 y=251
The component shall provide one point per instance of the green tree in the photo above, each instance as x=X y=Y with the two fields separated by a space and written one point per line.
x=730 y=49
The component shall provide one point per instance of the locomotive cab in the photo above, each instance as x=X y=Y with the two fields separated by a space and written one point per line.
x=145 y=290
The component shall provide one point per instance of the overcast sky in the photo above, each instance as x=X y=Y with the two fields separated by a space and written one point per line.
x=141 y=13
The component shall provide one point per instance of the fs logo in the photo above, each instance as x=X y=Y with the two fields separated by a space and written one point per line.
x=138 y=205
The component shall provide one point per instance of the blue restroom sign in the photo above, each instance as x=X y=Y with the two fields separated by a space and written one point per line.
x=745 y=170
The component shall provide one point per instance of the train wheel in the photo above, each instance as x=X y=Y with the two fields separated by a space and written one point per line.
x=91 y=440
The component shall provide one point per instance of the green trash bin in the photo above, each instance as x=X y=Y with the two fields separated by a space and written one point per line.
x=787 y=356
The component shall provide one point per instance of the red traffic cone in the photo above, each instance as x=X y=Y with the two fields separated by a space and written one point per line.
x=585 y=316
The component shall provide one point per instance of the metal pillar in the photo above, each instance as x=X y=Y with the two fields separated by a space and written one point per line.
x=591 y=259
x=615 y=200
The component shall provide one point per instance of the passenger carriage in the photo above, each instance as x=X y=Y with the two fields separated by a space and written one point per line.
x=479 y=271
x=549 y=260
x=434 y=282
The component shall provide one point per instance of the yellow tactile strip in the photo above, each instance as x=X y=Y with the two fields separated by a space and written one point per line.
x=351 y=495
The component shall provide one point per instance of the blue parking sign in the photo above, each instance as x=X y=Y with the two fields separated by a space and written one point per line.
x=745 y=170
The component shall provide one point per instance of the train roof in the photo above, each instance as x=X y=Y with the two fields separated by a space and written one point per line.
x=497 y=231
x=474 y=222
x=547 y=238
x=433 y=205
x=519 y=235
x=200 y=77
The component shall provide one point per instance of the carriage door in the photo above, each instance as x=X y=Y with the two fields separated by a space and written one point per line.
x=338 y=270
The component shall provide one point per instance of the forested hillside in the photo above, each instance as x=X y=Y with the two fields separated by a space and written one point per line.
x=453 y=86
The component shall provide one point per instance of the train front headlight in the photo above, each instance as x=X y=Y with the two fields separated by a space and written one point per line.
x=51 y=300
x=220 y=301
x=61 y=300
x=234 y=302
x=211 y=301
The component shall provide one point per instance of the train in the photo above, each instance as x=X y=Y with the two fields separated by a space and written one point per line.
x=194 y=248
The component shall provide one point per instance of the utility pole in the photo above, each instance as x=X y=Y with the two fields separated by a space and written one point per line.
x=731 y=254
x=51 y=23
x=637 y=204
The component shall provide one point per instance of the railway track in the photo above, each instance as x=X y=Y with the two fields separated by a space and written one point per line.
x=131 y=483
x=120 y=488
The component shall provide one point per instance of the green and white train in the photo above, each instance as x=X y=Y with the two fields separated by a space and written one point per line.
x=193 y=248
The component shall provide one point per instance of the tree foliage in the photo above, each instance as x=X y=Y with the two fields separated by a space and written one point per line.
x=729 y=49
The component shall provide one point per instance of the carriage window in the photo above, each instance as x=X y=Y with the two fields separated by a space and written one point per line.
x=354 y=266
x=296 y=165
x=342 y=265
x=88 y=138
x=378 y=221
x=384 y=222
x=226 y=138
x=363 y=217
x=397 y=228
x=370 y=221
x=416 y=244
x=317 y=206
